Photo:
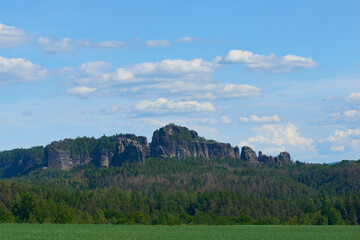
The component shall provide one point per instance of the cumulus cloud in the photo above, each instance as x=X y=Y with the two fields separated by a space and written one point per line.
x=189 y=78
x=112 y=44
x=272 y=62
x=343 y=109
x=163 y=105
x=341 y=139
x=186 y=39
x=11 y=36
x=340 y=135
x=156 y=43
x=81 y=90
x=20 y=70
x=53 y=45
x=256 y=119
x=92 y=73
x=279 y=136
x=173 y=67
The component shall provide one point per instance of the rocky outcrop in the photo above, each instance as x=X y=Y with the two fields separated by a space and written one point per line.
x=167 y=142
x=248 y=155
x=127 y=148
x=131 y=149
x=284 y=158
x=105 y=158
x=180 y=142
x=63 y=159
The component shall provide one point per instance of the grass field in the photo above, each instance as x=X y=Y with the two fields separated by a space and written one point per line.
x=108 y=232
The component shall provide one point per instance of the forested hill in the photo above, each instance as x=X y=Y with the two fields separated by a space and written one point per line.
x=186 y=191
x=179 y=178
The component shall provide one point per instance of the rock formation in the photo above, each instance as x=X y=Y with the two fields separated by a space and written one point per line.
x=180 y=142
x=167 y=142
x=131 y=149
x=248 y=155
x=57 y=157
x=128 y=148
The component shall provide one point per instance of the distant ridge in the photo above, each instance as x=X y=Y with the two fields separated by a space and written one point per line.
x=170 y=141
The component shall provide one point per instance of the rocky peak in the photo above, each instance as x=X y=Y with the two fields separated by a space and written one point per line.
x=130 y=148
x=59 y=157
x=248 y=155
x=177 y=141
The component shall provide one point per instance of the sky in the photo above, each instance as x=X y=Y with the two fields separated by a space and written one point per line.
x=273 y=75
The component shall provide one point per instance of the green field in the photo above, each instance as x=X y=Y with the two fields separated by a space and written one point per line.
x=99 y=232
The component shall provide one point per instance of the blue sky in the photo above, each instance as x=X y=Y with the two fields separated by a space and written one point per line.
x=274 y=75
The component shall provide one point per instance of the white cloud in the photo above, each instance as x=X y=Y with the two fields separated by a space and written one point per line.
x=192 y=79
x=338 y=148
x=186 y=39
x=264 y=119
x=91 y=73
x=173 y=67
x=272 y=62
x=343 y=109
x=355 y=96
x=198 y=90
x=351 y=113
x=112 y=44
x=279 y=135
x=340 y=135
x=123 y=74
x=11 y=36
x=156 y=43
x=223 y=119
x=229 y=90
x=20 y=70
x=81 y=90
x=55 y=45
x=341 y=139
x=162 y=105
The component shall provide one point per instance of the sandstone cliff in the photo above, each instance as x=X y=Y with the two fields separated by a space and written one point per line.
x=167 y=142
x=180 y=142
x=124 y=148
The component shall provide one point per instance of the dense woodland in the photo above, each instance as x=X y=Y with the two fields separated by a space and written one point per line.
x=180 y=191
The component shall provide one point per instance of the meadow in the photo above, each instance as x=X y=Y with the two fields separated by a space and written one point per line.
x=108 y=232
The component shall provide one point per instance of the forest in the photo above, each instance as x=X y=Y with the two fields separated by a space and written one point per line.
x=185 y=191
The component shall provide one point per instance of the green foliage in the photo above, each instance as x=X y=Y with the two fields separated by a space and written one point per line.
x=184 y=136
x=21 y=161
x=189 y=191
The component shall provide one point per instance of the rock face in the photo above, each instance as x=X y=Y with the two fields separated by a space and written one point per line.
x=63 y=159
x=131 y=149
x=128 y=148
x=167 y=142
x=248 y=155
x=176 y=141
